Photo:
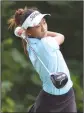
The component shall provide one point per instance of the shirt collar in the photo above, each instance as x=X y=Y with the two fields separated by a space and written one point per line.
x=33 y=40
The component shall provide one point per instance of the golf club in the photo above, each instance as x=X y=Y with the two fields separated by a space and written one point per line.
x=59 y=79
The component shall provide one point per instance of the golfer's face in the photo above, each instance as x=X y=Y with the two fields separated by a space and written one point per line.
x=40 y=30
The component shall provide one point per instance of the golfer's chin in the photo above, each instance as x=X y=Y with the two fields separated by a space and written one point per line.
x=44 y=34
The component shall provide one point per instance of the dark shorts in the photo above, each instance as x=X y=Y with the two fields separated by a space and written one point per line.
x=46 y=102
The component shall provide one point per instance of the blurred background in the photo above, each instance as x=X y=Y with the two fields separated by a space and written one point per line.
x=20 y=82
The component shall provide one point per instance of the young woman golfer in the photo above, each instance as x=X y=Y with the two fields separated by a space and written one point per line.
x=43 y=48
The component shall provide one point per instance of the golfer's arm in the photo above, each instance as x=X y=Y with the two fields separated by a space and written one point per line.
x=58 y=37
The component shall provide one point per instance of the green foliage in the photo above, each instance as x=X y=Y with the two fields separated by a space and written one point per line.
x=78 y=91
x=8 y=105
x=76 y=70
x=20 y=82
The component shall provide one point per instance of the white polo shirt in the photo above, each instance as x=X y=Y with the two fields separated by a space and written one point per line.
x=49 y=52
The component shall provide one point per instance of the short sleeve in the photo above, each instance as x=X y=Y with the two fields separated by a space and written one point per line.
x=31 y=54
x=51 y=42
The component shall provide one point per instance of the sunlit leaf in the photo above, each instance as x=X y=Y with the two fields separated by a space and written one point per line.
x=6 y=87
x=7 y=41
x=8 y=106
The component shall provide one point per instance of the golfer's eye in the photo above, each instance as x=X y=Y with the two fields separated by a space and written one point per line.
x=44 y=21
x=38 y=26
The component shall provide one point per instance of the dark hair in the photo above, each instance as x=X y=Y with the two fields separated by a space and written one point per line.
x=20 y=16
x=17 y=20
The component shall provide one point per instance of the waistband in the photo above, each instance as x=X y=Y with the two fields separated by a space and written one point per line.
x=58 y=99
x=51 y=89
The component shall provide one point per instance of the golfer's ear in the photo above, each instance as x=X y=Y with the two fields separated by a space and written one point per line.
x=59 y=38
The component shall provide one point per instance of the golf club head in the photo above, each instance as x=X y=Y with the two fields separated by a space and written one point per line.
x=59 y=79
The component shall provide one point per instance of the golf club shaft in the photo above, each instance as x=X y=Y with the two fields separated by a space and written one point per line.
x=37 y=56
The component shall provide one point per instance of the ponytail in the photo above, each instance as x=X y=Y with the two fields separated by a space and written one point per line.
x=11 y=23
x=16 y=19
